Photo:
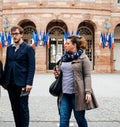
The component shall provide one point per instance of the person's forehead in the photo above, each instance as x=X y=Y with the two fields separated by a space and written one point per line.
x=16 y=30
x=68 y=40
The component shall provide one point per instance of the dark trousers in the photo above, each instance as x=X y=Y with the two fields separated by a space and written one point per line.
x=19 y=106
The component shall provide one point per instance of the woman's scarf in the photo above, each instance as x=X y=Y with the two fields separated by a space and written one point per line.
x=67 y=57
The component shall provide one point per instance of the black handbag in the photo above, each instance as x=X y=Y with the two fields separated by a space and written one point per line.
x=55 y=88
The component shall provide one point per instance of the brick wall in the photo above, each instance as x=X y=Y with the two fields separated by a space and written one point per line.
x=72 y=12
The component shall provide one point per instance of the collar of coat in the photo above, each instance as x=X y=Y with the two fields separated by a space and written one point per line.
x=83 y=55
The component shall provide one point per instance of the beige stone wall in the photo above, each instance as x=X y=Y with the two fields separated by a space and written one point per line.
x=41 y=60
x=72 y=12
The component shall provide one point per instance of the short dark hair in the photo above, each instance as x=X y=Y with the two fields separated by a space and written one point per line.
x=80 y=41
x=17 y=27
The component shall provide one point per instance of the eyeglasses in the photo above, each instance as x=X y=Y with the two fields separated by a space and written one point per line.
x=14 y=34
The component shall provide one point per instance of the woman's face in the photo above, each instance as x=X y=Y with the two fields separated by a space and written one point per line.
x=70 y=47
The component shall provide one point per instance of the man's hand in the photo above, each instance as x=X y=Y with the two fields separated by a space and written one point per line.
x=28 y=88
x=4 y=86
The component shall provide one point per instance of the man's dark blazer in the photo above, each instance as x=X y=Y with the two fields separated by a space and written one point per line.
x=21 y=64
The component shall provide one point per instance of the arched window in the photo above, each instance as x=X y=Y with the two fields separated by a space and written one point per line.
x=87 y=33
x=28 y=27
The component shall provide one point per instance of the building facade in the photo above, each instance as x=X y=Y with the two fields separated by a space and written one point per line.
x=88 y=17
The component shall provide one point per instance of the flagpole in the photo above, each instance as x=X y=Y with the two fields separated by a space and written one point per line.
x=5 y=29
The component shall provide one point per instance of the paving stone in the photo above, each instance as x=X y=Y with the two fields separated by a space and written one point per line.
x=43 y=106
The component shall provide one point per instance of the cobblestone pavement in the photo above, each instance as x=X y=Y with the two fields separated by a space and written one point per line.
x=43 y=108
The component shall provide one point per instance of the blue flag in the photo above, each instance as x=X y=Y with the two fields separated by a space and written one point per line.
x=78 y=33
x=36 y=39
x=0 y=41
x=9 y=39
x=3 y=39
x=72 y=32
x=111 y=40
x=44 y=39
x=65 y=37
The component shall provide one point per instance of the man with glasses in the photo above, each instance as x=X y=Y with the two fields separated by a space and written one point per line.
x=19 y=73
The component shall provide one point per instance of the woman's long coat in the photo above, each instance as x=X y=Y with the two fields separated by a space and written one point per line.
x=82 y=83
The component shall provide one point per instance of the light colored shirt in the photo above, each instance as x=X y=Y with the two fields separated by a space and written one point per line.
x=68 y=79
x=16 y=46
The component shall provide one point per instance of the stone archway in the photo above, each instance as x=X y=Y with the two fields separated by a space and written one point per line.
x=117 y=48
x=86 y=29
x=28 y=27
x=56 y=29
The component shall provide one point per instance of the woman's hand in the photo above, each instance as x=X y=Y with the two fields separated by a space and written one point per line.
x=88 y=98
x=56 y=74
